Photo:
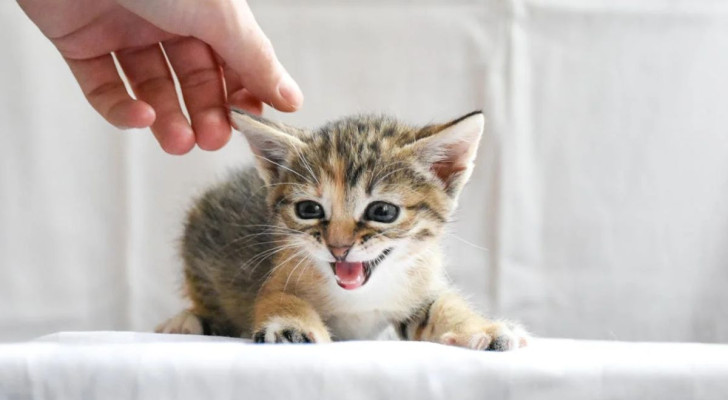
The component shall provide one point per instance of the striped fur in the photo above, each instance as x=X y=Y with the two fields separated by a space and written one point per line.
x=254 y=268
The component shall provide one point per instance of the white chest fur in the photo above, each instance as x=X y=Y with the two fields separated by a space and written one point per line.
x=365 y=312
x=389 y=296
x=359 y=326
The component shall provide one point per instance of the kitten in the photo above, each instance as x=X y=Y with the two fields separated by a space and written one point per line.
x=335 y=236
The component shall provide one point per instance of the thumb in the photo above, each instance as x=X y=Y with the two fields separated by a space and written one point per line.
x=241 y=43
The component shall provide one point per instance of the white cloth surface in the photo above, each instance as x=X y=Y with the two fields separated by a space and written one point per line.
x=123 y=365
x=597 y=208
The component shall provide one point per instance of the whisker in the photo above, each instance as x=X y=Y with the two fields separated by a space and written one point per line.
x=259 y=258
x=261 y=244
x=391 y=172
x=269 y=253
x=273 y=227
x=292 y=271
x=374 y=177
x=239 y=239
x=467 y=242
x=282 y=264
x=307 y=165
x=284 y=167
x=306 y=266
x=272 y=185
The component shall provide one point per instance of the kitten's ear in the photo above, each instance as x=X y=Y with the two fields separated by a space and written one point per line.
x=271 y=142
x=449 y=149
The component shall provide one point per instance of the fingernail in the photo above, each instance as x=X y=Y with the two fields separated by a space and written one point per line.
x=290 y=92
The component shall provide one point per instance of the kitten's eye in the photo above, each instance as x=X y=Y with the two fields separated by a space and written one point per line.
x=380 y=211
x=308 y=209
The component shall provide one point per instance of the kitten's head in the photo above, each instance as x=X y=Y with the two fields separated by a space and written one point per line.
x=359 y=192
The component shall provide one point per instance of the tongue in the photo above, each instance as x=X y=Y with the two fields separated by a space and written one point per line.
x=350 y=275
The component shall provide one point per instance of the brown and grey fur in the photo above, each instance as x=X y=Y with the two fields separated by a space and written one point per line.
x=254 y=269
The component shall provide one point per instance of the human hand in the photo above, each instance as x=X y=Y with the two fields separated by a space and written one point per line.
x=207 y=43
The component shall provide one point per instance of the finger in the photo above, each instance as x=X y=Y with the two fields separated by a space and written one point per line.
x=241 y=42
x=245 y=100
x=200 y=78
x=105 y=91
x=239 y=97
x=151 y=80
x=231 y=78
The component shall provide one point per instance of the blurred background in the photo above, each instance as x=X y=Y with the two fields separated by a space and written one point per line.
x=598 y=208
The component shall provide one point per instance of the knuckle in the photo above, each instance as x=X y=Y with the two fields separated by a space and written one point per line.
x=104 y=90
x=199 y=77
x=152 y=84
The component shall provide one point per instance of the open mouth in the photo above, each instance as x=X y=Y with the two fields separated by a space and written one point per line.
x=353 y=275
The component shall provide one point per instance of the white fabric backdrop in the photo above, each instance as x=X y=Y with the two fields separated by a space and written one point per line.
x=600 y=191
x=130 y=365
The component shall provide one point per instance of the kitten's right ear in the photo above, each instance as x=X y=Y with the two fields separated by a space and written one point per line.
x=270 y=142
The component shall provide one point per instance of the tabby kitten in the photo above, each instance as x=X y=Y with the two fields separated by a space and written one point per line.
x=336 y=237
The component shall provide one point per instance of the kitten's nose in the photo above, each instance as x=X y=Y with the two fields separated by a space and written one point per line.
x=339 y=252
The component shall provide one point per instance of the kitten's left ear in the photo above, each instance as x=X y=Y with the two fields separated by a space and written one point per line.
x=449 y=149
x=272 y=143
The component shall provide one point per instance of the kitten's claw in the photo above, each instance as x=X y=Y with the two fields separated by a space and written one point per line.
x=282 y=331
x=184 y=322
x=285 y=336
x=496 y=336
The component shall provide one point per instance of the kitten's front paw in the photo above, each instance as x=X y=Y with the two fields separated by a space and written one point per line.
x=496 y=336
x=185 y=322
x=287 y=330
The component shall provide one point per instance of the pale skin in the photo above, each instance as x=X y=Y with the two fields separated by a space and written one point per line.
x=215 y=47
